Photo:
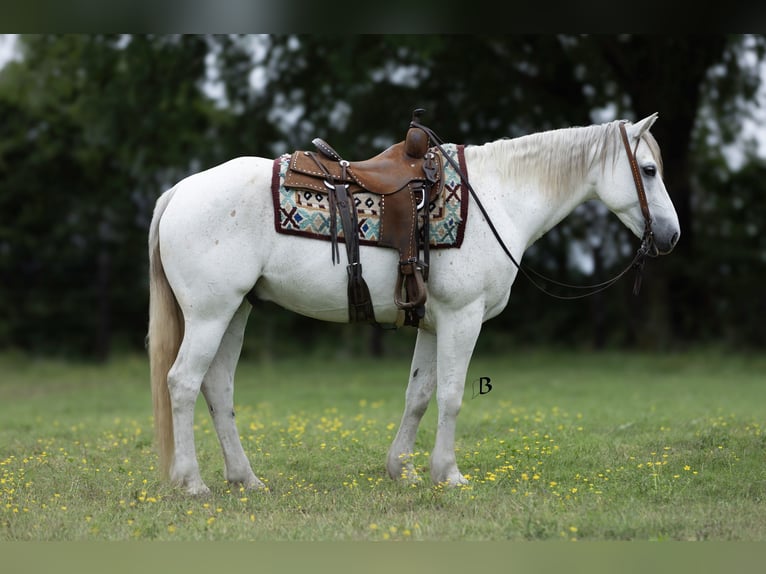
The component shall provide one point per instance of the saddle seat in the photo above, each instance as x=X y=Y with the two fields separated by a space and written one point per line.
x=384 y=174
x=407 y=176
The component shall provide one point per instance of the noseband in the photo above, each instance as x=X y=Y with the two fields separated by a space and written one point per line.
x=647 y=247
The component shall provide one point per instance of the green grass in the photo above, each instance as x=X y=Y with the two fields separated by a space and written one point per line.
x=566 y=446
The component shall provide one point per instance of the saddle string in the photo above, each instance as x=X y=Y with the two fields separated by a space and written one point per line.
x=637 y=263
x=333 y=204
x=342 y=202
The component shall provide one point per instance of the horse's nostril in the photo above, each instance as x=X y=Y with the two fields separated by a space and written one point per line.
x=674 y=240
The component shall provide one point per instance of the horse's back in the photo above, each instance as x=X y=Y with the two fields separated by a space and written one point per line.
x=236 y=188
x=233 y=177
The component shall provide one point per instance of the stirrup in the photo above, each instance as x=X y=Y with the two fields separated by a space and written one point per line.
x=419 y=297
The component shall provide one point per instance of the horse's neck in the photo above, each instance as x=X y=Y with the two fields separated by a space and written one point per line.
x=536 y=180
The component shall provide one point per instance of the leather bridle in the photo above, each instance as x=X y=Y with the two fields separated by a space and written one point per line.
x=647 y=241
x=647 y=247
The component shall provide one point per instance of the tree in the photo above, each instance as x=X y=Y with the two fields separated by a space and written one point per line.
x=358 y=92
x=95 y=127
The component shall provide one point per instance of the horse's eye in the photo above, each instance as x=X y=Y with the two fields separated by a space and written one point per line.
x=650 y=170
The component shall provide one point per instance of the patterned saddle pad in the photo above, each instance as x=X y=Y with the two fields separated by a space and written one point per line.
x=306 y=212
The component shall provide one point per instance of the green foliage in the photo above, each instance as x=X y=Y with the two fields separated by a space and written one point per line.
x=95 y=127
x=591 y=447
x=730 y=230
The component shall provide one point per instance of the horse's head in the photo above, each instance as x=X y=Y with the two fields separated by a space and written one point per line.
x=633 y=189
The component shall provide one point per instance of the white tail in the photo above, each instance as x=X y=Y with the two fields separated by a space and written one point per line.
x=166 y=329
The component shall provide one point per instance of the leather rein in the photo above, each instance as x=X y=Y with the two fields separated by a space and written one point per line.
x=647 y=247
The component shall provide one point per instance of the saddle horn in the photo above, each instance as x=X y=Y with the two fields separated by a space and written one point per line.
x=417 y=141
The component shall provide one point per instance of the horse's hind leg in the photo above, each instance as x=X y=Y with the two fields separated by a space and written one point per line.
x=419 y=391
x=218 y=390
x=202 y=338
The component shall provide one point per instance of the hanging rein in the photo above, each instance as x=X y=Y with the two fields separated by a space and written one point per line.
x=647 y=247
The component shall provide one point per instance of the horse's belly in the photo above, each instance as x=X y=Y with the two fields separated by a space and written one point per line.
x=304 y=280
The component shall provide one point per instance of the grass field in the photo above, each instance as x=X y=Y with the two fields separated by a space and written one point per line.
x=566 y=446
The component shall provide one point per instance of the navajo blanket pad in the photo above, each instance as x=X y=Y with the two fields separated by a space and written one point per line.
x=306 y=212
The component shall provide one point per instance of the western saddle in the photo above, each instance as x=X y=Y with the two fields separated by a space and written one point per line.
x=407 y=177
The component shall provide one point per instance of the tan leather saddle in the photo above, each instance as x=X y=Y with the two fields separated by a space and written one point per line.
x=407 y=176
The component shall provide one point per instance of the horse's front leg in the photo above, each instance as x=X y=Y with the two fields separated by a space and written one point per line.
x=419 y=392
x=456 y=337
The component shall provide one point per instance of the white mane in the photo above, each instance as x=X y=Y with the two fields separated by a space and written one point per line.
x=557 y=159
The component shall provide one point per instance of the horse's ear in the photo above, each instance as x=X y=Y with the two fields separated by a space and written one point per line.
x=638 y=128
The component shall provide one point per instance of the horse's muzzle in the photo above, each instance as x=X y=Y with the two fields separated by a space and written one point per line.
x=663 y=244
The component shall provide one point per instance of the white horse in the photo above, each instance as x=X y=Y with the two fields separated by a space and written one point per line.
x=212 y=241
